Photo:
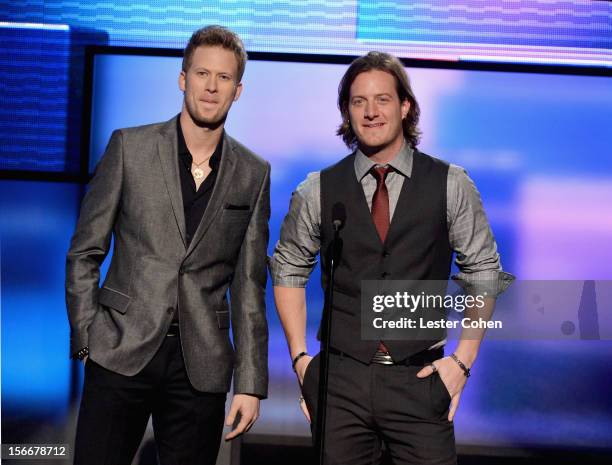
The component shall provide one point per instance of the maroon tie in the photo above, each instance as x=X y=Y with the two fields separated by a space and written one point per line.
x=380 y=214
x=380 y=202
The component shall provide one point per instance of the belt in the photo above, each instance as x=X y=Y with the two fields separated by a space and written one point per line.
x=382 y=358
x=173 y=330
x=422 y=358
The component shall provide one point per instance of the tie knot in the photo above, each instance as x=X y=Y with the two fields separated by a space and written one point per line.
x=380 y=173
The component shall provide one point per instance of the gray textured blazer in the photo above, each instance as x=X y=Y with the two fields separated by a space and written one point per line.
x=136 y=196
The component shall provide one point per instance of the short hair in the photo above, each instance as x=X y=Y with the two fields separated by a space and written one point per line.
x=383 y=62
x=216 y=36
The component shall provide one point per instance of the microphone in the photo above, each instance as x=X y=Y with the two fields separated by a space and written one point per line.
x=338 y=216
x=333 y=252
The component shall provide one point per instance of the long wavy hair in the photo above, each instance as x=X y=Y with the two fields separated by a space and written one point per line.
x=383 y=62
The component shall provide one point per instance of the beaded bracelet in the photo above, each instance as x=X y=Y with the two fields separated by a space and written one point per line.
x=466 y=370
x=297 y=357
x=81 y=354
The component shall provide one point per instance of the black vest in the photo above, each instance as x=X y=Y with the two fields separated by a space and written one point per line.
x=416 y=248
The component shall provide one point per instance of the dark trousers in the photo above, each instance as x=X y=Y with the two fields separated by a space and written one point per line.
x=115 y=410
x=374 y=406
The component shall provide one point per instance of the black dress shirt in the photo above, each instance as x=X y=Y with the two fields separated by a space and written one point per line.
x=195 y=201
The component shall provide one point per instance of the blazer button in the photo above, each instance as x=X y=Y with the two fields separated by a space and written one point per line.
x=181 y=271
x=385 y=253
x=170 y=310
x=384 y=274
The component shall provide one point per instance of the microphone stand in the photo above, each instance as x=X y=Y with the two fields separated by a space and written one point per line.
x=325 y=337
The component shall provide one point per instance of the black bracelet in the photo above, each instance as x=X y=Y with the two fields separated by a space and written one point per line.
x=466 y=370
x=297 y=357
x=81 y=354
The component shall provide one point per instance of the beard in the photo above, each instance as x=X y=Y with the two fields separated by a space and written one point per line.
x=372 y=147
x=212 y=122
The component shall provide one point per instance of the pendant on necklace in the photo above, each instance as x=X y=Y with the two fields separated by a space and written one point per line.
x=197 y=173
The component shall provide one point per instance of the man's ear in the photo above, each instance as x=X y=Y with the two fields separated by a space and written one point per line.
x=181 y=80
x=405 y=108
x=238 y=91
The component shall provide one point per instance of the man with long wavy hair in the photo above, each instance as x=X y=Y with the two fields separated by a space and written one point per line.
x=405 y=213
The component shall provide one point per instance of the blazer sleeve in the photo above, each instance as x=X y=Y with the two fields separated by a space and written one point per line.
x=247 y=296
x=91 y=241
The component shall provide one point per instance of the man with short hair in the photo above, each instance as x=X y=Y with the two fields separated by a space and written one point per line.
x=404 y=214
x=188 y=207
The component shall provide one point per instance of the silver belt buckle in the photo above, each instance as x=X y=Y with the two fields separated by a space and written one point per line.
x=382 y=358
x=173 y=330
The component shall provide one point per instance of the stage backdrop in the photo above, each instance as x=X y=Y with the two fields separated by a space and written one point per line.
x=42 y=41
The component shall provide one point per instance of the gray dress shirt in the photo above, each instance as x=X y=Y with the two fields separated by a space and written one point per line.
x=468 y=229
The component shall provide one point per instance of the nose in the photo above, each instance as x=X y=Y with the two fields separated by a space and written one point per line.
x=211 y=84
x=371 y=110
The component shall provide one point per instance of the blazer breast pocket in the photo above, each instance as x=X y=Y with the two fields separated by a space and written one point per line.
x=236 y=213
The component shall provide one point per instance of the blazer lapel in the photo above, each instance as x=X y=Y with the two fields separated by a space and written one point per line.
x=167 y=150
x=222 y=183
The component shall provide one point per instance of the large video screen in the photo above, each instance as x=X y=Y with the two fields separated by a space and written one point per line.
x=538 y=146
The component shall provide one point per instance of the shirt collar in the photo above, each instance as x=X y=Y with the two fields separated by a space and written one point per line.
x=402 y=162
x=186 y=156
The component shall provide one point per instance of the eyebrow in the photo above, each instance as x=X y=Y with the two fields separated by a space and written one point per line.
x=202 y=68
x=376 y=95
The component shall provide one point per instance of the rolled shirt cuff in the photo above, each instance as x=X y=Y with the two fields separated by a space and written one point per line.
x=490 y=283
